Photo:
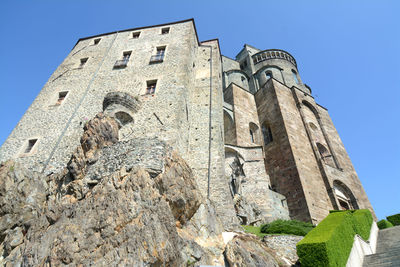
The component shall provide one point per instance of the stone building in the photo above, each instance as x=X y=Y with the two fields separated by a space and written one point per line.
x=259 y=145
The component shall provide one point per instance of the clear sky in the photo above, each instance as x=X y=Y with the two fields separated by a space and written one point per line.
x=347 y=52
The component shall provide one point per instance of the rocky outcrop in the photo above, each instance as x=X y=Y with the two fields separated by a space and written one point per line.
x=125 y=203
x=249 y=251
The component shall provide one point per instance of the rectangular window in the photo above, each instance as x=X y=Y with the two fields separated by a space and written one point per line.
x=96 y=41
x=165 y=30
x=119 y=64
x=159 y=56
x=135 y=35
x=83 y=62
x=61 y=97
x=151 y=87
x=30 y=145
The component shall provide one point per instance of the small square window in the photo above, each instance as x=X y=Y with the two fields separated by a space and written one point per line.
x=28 y=148
x=165 y=30
x=135 y=35
x=61 y=97
x=151 y=87
x=83 y=62
x=96 y=41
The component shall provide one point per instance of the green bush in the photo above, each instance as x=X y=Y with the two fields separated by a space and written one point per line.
x=291 y=227
x=394 y=219
x=383 y=224
x=362 y=221
x=330 y=243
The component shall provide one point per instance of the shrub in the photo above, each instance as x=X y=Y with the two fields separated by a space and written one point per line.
x=291 y=227
x=330 y=243
x=394 y=219
x=362 y=221
x=383 y=224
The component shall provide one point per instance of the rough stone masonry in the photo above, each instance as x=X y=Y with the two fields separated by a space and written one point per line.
x=160 y=82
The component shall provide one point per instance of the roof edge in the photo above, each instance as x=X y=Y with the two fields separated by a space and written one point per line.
x=144 y=27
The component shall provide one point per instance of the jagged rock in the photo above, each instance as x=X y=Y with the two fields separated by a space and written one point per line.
x=136 y=204
x=247 y=250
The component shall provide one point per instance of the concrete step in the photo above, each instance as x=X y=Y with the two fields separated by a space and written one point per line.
x=387 y=250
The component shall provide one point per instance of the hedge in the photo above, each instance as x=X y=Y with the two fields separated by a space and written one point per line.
x=362 y=221
x=330 y=243
x=394 y=219
x=383 y=224
x=291 y=227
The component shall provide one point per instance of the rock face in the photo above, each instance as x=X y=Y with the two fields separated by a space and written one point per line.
x=247 y=250
x=283 y=247
x=117 y=203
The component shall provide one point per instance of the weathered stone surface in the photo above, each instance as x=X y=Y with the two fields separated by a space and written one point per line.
x=144 y=209
x=247 y=250
x=283 y=247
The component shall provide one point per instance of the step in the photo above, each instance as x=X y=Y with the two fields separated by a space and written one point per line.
x=384 y=255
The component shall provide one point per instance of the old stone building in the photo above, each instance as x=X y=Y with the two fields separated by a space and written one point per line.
x=259 y=145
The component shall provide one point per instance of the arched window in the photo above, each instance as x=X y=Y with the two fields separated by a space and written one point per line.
x=325 y=155
x=123 y=118
x=268 y=74
x=254 y=133
x=266 y=130
x=345 y=197
x=295 y=76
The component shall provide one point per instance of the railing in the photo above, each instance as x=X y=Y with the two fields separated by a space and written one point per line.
x=157 y=58
x=121 y=63
x=273 y=54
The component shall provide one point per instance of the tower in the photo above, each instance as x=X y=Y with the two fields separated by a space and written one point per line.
x=303 y=154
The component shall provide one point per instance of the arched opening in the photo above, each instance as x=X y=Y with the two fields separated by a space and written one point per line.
x=267 y=134
x=254 y=133
x=344 y=196
x=123 y=118
x=229 y=129
x=325 y=155
x=268 y=75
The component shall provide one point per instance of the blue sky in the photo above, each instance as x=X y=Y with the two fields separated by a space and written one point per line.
x=347 y=52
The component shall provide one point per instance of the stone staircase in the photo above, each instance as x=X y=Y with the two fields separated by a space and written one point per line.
x=387 y=250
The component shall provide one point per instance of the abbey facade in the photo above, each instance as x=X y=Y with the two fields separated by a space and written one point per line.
x=260 y=146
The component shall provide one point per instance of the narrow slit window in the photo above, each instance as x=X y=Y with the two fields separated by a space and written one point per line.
x=96 y=41
x=165 y=30
x=295 y=76
x=30 y=145
x=151 y=87
x=135 y=35
x=61 y=97
x=266 y=130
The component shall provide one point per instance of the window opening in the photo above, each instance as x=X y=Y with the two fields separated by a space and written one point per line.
x=295 y=76
x=165 y=30
x=159 y=56
x=96 y=41
x=83 y=62
x=31 y=143
x=267 y=134
x=252 y=136
x=151 y=87
x=124 y=61
x=135 y=35
x=61 y=97
x=268 y=74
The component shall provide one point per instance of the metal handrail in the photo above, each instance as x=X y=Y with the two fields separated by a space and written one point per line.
x=157 y=58
x=121 y=63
